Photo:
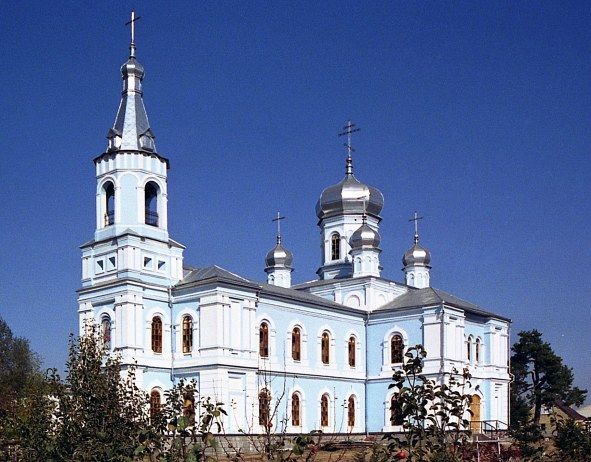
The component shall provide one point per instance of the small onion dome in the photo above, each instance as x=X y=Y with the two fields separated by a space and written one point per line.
x=364 y=236
x=417 y=256
x=132 y=67
x=349 y=197
x=279 y=256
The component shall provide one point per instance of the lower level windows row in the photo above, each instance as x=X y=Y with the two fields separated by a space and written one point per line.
x=295 y=418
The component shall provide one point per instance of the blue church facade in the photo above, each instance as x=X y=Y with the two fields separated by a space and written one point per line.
x=321 y=352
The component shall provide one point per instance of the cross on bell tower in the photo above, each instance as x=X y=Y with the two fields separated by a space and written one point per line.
x=132 y=24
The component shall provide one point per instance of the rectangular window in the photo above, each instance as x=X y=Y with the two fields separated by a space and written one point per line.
x=148 y=262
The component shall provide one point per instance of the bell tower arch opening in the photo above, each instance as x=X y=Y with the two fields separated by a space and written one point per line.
x=151 y=195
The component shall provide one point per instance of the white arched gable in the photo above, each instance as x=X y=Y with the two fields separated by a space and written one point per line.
x=159 y=386
x=353 y=301
x=101 y=184
x=264 y=317
x=152 y=179
x=157 y=311
x=396 y=329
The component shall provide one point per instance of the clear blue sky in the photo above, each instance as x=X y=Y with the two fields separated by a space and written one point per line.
x=476 y=114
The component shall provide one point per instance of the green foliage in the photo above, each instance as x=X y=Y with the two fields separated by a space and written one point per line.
x=572 y=442
x=24 y=418
x=541 y=379
x=19 y=366
x=433 y=413
x=186 y=437
x=529 y=439
x=101 y=414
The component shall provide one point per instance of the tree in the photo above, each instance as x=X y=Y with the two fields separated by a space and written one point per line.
x=25 y=412
x=434 y=415
x=18 y=367
x=100 y=414
x=541 y=379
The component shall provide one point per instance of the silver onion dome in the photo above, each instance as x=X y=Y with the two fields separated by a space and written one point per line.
x=350 y=196
x=132 y=67
x=364 y=237
x=279 y=256
x=417 y=255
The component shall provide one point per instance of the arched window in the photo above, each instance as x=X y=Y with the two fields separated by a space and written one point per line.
x=469 y=349
x=335 y=246
x=189 y=406
x=324 y=411
x=106 y=332
x=396 y=349
x=151 y=203
x=325 y=347
x=109 y=203
x=295 y=410
x=296 y=344
x=396 y=416
x=264 y=340
x=187 y=334
x=477 y=352
x=475 y=422
x=155 y=403
x=352 y=346
x=351 y=411
x=264 y=405
x=156 y=334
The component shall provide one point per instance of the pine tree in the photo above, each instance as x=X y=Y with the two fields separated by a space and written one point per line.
x=541 y=379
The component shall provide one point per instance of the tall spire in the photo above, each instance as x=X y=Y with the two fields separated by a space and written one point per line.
x=131 y=130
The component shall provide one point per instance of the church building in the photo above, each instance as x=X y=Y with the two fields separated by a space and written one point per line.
x=325 y=349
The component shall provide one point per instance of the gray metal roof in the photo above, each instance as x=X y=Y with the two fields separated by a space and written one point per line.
x=278 y=256
x=212 y=274
x=350 y=196
x=365 y=237
x=131 y=130
x=431 y=296
x=199 y=276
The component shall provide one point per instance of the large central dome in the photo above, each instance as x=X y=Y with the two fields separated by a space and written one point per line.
x=349 y=197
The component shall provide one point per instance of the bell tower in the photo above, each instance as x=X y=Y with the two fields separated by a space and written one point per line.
x=131 y=263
